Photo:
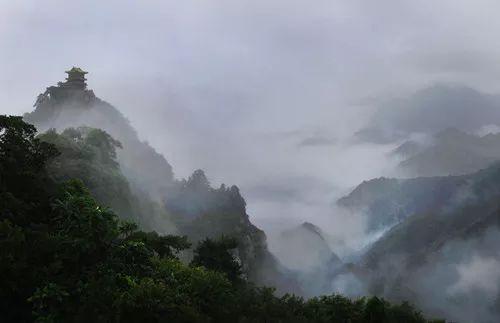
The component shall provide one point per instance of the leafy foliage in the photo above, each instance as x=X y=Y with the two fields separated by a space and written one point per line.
x=89 y=155
x=216 y=255
x=65 y=258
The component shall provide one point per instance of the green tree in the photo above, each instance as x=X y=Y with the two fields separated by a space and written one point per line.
x=165 y=246
x=216 y=255
x=66 y=258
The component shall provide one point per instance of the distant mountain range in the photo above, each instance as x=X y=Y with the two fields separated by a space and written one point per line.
x=389 y=201
x=460 y=207
x=449 y=152
x=431 y=110
x=437 y=225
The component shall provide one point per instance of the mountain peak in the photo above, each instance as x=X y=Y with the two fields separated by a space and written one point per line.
x=74 y=88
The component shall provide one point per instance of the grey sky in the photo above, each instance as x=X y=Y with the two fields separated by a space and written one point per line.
x=235 y=87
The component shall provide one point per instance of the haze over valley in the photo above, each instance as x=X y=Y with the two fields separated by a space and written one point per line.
x=347 y=147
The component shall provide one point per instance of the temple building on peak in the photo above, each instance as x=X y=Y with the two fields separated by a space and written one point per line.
x=72 y=91
x=75 y=80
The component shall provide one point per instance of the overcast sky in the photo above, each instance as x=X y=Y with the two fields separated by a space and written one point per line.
x=262 y=94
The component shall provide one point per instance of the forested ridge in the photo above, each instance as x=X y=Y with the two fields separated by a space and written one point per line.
x=65 y=257
x=99 y=146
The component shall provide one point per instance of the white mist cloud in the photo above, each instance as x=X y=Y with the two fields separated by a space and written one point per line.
x=462 y=280
x=233 y=87
x=479 y=274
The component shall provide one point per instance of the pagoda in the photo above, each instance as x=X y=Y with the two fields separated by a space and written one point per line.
x=76 y=79
x=72 y=91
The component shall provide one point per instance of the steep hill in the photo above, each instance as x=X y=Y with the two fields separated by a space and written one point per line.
x=471 y=205
x=147 y=170
x=89 y=154
x=193 y=205
x=449 y=228
x=389 y=201
x=305 y=251
x=304 y=248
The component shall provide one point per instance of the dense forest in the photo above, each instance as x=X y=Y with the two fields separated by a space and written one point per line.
x=66 y=257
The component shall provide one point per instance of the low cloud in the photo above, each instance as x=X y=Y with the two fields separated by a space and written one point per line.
x=317 y=141
x=482 y=274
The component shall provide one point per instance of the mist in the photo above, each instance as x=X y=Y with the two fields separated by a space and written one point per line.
x=237 y=89
x=296 y=103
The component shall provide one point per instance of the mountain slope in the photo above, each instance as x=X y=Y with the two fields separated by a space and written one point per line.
x=388 y=201
x=442 y=245
x=90 y=155
x=452 y=152
x=146 y=169
x=471 y=205
x=197 y=209
x=304 y=250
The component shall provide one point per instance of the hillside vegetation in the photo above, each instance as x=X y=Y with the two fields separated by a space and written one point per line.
x=66 y=258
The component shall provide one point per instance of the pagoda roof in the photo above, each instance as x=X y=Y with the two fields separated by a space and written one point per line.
x=76 y=70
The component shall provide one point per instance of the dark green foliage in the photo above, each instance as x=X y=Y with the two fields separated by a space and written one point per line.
x=194 y=197
x=65 y=258
x=22 y=159
x=201 y=211
x=216 y=255
x=90 y=155
x=164 y=246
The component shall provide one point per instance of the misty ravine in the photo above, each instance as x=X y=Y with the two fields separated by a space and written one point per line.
x=250 y=161
x=85 y=180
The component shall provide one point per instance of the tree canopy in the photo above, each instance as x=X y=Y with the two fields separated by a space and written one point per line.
x=66 y=258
